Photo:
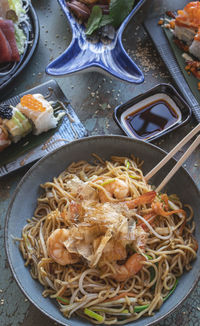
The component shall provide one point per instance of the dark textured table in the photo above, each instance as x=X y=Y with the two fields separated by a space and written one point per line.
x=93 y=97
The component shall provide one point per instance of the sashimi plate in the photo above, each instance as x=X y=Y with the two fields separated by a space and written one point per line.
x=9 y=71
x=31 y=148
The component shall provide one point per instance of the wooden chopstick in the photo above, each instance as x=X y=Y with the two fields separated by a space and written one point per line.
x=173 y=151
x=179 y=163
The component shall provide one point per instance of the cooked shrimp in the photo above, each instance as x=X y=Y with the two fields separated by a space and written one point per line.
x=115 y=188
x=131 y=267
x=73 y=213
x=57 y=250
x=158 y=209
x=144 y=199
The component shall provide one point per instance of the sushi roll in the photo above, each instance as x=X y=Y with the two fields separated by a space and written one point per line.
x=16 y=124
x=4 y=138
x=187 y=22
x=39 y=111
x=194 y=49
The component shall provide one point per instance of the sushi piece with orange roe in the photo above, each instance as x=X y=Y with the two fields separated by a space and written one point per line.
x=39 y=111
x=14 y=122
x=187 y=27
x=194 y=48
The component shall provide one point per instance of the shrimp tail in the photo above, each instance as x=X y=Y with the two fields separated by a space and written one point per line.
x=158 y=209
x=146 y=198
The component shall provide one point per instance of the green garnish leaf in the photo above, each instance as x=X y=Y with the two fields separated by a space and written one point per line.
x=94 y=20
x=127 y=164
x=93 y=315
x=105 y=20
x=119 y=10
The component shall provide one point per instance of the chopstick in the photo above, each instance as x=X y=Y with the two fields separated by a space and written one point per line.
x=179 y=163
x=171 y=154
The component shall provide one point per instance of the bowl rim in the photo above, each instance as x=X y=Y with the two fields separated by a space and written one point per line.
x=28 y=174
x=35 y=22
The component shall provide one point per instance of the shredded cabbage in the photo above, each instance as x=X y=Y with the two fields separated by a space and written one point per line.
x=20 y=39
x=20 y=9
x=17 y=6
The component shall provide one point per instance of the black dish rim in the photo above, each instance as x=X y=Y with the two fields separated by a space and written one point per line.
x=35 y=21
x=185 y=110
x=28 y=174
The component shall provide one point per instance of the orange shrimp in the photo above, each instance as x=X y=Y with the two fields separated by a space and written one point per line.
x=73 y=213
x=57 y=250
x=146 y=198
x=131 y=267
x=158 y=209
x=149 y=218
x=164 y=198
x=116 y=188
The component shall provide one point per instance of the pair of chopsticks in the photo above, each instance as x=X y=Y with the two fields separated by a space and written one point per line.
x=189 y=151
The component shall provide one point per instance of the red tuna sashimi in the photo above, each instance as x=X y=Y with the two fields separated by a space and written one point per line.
x=4 y=7
x=5 y=50
x=8 y=29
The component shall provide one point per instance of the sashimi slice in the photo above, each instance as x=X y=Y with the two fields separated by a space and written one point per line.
x=5 y=50
x=4 y=7
x=8 y=29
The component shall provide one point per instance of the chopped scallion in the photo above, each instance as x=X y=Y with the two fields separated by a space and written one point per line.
x=135 y=177
x=107 y=182
x=63 y=300
x=149 y=257
x=170 y=292
x=140 y=308
x=93 y=315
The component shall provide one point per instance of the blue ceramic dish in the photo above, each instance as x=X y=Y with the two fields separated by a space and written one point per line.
x=82 y=54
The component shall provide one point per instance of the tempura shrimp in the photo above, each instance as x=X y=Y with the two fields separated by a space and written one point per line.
x=131 y=267
x=57 y=250
x=116 y=188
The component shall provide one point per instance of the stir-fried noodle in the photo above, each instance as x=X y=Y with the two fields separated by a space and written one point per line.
x=105 y=245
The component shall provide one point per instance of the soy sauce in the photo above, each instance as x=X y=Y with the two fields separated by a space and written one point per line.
x=151 y=119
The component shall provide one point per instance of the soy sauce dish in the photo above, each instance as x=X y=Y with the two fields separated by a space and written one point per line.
x=153 y=114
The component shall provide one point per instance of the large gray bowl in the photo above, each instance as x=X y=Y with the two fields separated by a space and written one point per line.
x=24 y=202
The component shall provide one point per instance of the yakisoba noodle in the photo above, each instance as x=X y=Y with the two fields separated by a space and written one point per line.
x=105 y=245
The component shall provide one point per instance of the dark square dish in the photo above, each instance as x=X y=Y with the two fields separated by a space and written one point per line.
x=162 y=92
